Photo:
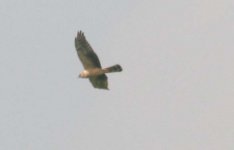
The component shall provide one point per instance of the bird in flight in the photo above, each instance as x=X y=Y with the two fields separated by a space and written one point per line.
x=92 y=66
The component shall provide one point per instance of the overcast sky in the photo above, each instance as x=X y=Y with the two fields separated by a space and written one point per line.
x=176 y=91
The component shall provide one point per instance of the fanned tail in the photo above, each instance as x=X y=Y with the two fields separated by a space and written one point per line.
x=115 y=68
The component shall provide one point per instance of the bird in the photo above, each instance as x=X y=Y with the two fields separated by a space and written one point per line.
x=91 y=63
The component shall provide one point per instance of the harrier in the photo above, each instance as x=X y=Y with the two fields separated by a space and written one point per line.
x=91 y=63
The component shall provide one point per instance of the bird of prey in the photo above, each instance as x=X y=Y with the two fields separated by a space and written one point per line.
x=91 y=63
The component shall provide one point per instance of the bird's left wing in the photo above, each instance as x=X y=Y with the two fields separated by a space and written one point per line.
x=87 y=56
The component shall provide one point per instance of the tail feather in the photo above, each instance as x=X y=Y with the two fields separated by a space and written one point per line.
x=115 y=68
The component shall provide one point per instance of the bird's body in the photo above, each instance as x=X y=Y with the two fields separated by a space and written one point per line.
x=91 y=63
x=97 y=71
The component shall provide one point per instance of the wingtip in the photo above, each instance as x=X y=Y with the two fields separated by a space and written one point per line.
x=98 y=88
x=80 y=34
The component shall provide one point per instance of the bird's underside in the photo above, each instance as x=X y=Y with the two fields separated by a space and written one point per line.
x=91 y=63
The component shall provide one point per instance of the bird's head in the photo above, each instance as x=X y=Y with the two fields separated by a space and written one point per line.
x=84 y=74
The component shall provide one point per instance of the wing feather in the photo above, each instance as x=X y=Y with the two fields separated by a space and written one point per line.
x=87 y=56
x=99 y=81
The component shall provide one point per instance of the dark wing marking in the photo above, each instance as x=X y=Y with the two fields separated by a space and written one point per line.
x=87 y=56
x=99 y=81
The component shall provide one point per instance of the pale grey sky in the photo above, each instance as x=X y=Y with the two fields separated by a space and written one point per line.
x=176 y=91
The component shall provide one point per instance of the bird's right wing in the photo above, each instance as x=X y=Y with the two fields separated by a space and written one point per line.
x=99 y=82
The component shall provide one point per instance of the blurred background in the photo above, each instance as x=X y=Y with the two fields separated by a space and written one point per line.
x=176 y=90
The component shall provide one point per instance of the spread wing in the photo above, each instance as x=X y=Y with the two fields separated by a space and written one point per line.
x=99 y=81
x=87 y=56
